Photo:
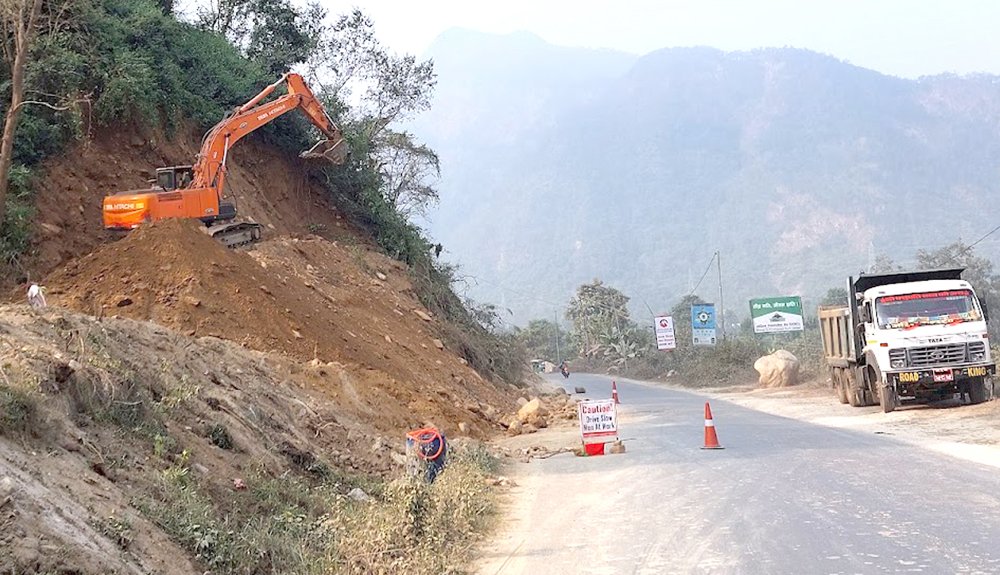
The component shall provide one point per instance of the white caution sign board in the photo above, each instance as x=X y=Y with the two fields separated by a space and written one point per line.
x=664 y=329
x=598 y=420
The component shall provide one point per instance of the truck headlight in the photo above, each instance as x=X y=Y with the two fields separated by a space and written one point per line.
x=977 y=356
x=898 y=363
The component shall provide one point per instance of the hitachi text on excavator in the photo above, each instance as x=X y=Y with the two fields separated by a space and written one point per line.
x=197 y=191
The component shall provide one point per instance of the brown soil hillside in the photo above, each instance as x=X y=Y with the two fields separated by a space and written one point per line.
x=102 y=410
x=270 y=187
x=305 y=298
x=165 y=359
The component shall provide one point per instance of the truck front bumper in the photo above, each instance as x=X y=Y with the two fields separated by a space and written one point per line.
x=934 y=378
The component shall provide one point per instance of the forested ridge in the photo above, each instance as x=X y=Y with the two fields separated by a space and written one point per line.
x=565 y=164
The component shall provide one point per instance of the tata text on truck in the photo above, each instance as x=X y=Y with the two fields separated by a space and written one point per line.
x=914 y=336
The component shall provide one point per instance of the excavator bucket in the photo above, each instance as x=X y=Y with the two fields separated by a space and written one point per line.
x=335 y=152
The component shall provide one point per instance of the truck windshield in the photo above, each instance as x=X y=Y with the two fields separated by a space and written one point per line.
x=929 y=308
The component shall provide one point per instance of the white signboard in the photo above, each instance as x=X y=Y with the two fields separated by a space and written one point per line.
x=776 y=314
x=664 y=328
x=598 y=420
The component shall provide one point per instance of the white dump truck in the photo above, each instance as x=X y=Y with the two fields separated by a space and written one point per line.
x=913 y=336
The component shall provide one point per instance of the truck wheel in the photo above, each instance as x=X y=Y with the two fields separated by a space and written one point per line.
x=870 y=394
x=853 y=390
x=887 y=398
x=840 y=383
x=978 y=389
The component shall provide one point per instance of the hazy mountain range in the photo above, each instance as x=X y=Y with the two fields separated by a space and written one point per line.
x=562 y=164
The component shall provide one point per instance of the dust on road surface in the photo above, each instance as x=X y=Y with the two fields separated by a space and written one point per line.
x=963 y=431
x=966 y=431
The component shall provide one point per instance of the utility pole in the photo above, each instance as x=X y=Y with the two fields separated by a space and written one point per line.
x=722 y=303
x=621 y=340
x=555 y=316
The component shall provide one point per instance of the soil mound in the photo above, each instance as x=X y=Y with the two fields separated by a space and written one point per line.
x=305 y=298
x=176 y=275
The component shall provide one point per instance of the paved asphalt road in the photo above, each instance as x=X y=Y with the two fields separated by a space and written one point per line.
x=782 y=497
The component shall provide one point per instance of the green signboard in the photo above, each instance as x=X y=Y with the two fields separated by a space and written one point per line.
x=776 y=314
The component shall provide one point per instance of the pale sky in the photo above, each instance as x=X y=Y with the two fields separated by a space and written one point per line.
x=906 y=38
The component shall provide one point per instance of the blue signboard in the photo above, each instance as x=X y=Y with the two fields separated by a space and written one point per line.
x=703 y=324
x=703 y=316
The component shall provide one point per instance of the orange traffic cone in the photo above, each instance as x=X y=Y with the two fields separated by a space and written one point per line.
x=614 y=391
x=711 y=439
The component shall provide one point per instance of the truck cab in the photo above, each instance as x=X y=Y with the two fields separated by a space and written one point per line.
x=921 y=336
x=913 y=336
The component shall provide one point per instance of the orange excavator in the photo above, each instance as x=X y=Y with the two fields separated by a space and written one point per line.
x=196 y=191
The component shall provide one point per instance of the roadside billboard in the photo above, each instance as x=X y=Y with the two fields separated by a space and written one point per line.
x=598 y=420
x=776 y=314
x=663 y=326
x=703 y=329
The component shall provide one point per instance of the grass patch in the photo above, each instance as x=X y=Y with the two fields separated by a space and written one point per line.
x=729 y=362
x=117 y=529
x=122 y=403
x=295 y=525
x=219 y=436
x=419 y=528
x=18 y=411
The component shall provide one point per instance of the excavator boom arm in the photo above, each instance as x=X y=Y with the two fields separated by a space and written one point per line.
x=210 y=169
x=201 y=195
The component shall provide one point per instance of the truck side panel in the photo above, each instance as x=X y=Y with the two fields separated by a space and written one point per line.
x=838 y=340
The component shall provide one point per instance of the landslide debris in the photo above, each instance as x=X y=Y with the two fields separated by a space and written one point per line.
x=137 y=449
x=255 y=392
x=304 y=297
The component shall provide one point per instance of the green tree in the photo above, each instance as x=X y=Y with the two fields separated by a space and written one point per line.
x=682 y=319
x=349 y=64
x=601 y=323
x=595 y=312
x=540 y=338
x=19 y=23
x=978 y=271
x=883 y=264
x=407 y=170
x=835 y=296
x=272 y=33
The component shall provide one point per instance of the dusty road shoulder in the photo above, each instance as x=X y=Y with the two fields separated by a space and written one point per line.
x=969 y=432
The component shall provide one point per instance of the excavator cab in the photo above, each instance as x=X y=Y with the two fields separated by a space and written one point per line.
x=173 y=178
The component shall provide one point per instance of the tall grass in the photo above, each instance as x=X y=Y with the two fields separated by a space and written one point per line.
x=293 y=525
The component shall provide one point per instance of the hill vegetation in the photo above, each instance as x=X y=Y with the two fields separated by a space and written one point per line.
x=100 y=65
x=250 y=416
x=561 y=165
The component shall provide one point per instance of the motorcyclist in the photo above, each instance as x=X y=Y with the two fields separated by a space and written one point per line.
x=564 y=368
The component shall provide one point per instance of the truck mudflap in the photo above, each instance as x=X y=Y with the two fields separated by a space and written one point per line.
x=940 y=377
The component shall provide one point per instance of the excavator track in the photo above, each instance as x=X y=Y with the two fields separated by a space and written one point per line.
x=237 y=234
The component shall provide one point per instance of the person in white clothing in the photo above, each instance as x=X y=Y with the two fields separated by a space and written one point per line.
x=36 y=296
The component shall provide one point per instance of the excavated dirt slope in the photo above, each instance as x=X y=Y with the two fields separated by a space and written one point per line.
x=85 y=460
x=306 y=298
x=309 y=347
x=269 y=186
